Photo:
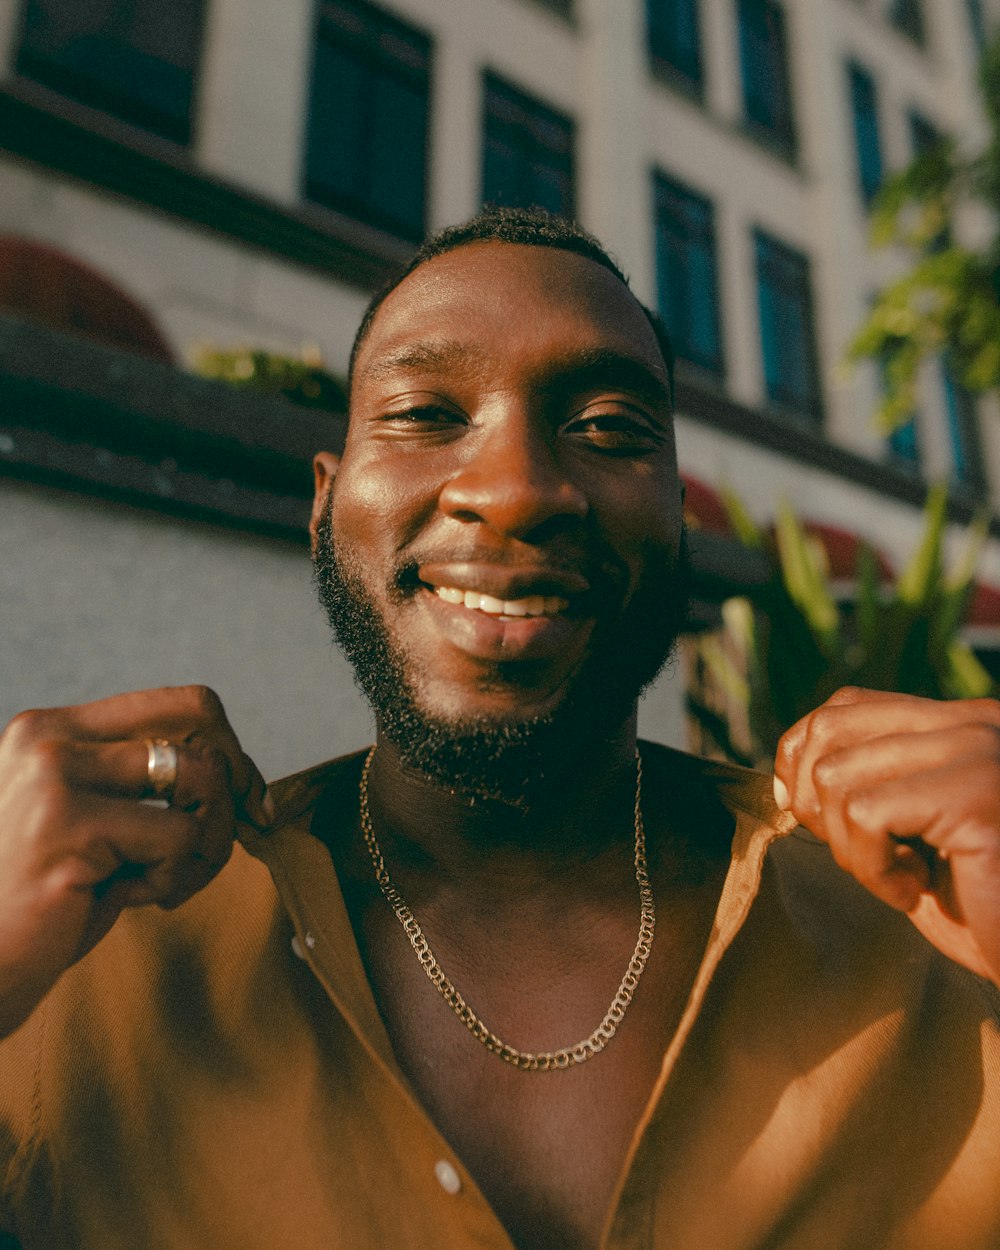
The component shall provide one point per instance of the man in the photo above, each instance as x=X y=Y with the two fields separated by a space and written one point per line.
x=503 y=979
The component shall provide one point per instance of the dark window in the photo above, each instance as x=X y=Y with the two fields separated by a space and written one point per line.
x=923 y=133
x=366 y=147
x=908 y=17
x=864 y=110
x=686 y=275
x=134 y=59
x=977 y=25
x=767 y=97
x=903 y=447
x=967 y=465
x=675 y=40
x=788 y=345
x=527 y=151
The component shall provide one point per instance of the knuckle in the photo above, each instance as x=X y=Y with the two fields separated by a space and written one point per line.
x=27 y=727
x=846 y=694
x=202 y=702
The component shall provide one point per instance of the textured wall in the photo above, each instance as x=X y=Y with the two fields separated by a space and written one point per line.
x=96 y=598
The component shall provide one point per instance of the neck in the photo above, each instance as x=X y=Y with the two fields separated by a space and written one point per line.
x=574 y=810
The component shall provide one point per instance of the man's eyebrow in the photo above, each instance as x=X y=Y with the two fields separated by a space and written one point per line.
x=589 y=367
x=605 y=367
x=434 y=356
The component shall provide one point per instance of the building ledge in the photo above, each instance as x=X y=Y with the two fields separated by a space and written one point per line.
x=42 y=127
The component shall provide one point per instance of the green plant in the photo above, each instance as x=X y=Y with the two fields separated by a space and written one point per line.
x=947 y=301
x=781 y=654
x=304 y=380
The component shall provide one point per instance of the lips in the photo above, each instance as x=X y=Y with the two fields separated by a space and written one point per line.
x=506 y=612
x=479 y=601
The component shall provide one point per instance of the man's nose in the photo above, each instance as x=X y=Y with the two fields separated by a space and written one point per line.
x=513 y=481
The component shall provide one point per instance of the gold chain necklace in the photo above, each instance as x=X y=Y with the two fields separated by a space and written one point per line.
x=546 y=1060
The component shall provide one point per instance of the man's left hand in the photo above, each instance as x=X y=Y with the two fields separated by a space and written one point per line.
x=906 y=792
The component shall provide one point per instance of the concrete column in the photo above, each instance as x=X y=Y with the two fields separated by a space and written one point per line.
x=455 y=125
x=254 y=92
x=614 y=191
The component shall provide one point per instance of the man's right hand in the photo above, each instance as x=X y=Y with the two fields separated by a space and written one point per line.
x=77 y=845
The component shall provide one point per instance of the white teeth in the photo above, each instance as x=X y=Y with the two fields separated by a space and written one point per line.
x=530 y=605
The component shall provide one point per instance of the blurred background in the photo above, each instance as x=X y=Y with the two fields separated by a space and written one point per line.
x=197 y=199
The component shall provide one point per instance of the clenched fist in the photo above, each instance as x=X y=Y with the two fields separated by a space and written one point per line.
x=77 y=844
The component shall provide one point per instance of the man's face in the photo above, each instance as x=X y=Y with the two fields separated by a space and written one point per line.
x=506 y=516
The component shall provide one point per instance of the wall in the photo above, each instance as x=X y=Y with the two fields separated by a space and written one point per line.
x=97 y=598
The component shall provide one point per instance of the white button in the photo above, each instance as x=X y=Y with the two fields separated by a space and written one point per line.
x=448 y=1178
x=297 y=947
x=310 y=941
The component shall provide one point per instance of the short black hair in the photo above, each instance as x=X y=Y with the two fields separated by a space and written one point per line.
x=533 y=227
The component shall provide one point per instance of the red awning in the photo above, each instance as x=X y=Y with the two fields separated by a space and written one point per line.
x=42 y=283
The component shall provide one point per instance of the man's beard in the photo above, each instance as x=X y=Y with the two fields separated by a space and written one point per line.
x=516 y=762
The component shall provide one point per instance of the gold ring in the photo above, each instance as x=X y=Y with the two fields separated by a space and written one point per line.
x=161 y=767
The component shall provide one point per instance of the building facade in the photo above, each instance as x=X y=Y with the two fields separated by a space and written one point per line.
x=248 y=173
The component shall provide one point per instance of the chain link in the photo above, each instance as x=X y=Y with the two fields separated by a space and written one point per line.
x=527 y=1061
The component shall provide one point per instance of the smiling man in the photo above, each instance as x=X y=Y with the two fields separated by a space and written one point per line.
x=508 y=977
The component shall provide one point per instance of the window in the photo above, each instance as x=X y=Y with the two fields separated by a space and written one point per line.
x=923 y=133
x=864 y=109
x=908 y=16
x=675 y=40
x=527 y=151
x=134 y=59
x=903 y=447
x=977 y=25
x=767 y=99
x=686 y=276
x=968 y=469
x=791 y=373
x=366 y=146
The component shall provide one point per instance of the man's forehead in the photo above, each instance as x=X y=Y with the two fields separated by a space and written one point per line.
x=416 y=322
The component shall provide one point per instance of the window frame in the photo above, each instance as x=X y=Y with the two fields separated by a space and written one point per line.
x=687 y=237
x=385 y=48
x=668 y=64
x=774 y=259
x=105 y=97
x=525 y=137
x=869 y=159
x=779 y=134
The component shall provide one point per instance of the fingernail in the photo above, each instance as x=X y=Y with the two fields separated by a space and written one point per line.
x=781 y=795
x=267 y=807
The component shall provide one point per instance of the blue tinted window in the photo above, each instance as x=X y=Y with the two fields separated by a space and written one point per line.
x=134 y=59
x=868 y=146
x=527 y=151
x=904 y=449
x=923 y=133
x=977 y=24
x=686 y=275
x=788 y=347
x=908 y=17
x=963 y=433
x=767 y=99
x=674 y=38
x=366 y=147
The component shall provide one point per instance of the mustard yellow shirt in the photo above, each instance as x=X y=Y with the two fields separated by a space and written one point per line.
x=219 y=1077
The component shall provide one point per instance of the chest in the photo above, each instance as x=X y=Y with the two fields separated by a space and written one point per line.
x=546 y=1148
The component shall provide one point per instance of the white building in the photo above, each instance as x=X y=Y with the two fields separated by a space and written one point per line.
x=250 y=171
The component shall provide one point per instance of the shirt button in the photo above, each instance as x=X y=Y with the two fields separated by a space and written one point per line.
x=447 y=1177
x=297 y=947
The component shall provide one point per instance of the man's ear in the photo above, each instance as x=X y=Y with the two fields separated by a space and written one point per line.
x=325 y=466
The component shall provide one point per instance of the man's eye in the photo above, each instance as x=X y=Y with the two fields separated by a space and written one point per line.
x=426 y=416
x=615 y=431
